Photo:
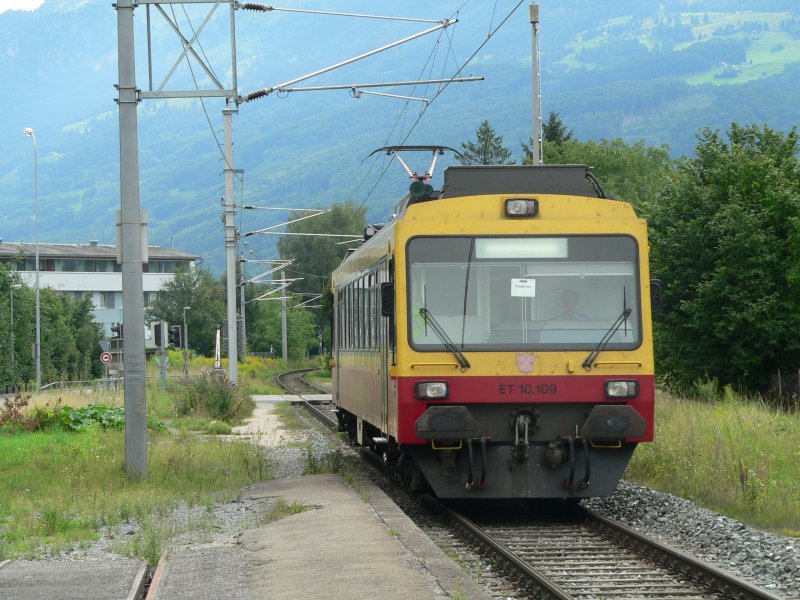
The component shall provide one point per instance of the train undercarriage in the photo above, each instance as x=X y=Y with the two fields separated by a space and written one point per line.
x=526 y=458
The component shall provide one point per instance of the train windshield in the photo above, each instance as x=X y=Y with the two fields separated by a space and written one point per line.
x=531 y=292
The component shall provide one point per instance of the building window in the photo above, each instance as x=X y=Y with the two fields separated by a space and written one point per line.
x=107 y=299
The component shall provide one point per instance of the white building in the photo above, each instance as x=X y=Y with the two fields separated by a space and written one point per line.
x=80 y=269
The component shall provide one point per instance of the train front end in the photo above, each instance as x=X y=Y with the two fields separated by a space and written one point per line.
x=523 y=364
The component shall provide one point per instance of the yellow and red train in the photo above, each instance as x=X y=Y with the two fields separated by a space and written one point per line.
x=495 y=338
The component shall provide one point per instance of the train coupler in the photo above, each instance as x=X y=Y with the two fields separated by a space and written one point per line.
x=523 y=423
x=447 y=463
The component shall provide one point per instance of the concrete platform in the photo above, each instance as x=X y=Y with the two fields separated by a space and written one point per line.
x=341 y=547
x=118 y=579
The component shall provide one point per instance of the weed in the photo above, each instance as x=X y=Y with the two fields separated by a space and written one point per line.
x=58 y=488
x=458 y=594
x=13 y=416
x=212 y=397
x=707 y=390
x=736 y=456
x=280 y=509
x=288 y=416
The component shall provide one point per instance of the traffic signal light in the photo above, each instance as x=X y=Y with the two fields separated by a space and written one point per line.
x=116 y=330
x=159 y=333
x=175 y=337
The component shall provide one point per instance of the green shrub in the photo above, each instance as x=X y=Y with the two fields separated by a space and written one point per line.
x=55 y=417
x=13 y=417
x=218 y=427
x=213 y=397
x=325 y=366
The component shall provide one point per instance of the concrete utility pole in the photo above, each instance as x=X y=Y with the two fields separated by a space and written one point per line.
x=230 y=248
x=536 y=138
x=37 y=348
x=283 y=320
x=185 y=345
x=130 y=247
x=242 y=307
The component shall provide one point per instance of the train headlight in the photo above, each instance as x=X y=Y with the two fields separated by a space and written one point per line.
x=622 y=389
x=522 y=207
x=431 y=390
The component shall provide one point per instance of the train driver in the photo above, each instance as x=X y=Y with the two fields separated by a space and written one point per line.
x=569 y=301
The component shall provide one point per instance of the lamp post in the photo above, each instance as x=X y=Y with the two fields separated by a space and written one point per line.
x=38 y=346
x=14 y=286
x=185 y=344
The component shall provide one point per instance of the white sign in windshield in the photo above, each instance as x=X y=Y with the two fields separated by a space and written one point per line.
x=523 y=287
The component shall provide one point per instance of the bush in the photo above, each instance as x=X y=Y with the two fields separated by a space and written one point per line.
x=12 y=416
x=64 y=418
x=213 y=397
x=325 y=365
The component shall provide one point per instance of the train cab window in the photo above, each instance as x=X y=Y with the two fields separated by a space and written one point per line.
x=532 y=292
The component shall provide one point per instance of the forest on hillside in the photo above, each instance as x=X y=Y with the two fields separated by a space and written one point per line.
x=638 y=71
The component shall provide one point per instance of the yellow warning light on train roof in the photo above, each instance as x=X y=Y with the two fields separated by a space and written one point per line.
x=522 y=207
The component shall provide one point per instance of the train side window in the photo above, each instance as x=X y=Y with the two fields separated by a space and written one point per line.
x=350 y=317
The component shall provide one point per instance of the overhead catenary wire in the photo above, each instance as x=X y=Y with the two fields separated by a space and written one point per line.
x=265 y=8
x=430 y=63
x=426 y=106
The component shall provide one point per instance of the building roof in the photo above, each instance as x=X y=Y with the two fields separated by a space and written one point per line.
x=90 y=250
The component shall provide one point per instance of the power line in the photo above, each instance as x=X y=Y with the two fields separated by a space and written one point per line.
x=441 y=90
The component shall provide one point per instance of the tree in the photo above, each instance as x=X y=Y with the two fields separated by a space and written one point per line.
x=264 y=329
x=197 y=289
x=554 y=132
x=635 y=173
x=726 y=244
x=70 y=338
x=315 y=257
x=488 y=148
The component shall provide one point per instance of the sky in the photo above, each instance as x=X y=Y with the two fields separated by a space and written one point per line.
x=19 y=5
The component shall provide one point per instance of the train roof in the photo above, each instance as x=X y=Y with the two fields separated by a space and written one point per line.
x=568 y=180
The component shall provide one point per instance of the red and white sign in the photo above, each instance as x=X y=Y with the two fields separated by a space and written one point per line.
x=105 y=358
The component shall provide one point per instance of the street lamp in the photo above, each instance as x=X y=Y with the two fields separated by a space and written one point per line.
x=14 y=286
x=185 y=344
x=38 y=347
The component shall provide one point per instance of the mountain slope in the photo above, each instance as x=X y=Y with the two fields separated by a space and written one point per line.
x=627 y=69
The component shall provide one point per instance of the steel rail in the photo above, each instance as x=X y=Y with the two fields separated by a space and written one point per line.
x=695 y=568
x=700 y=572
x=319 y=414
x=547 y=585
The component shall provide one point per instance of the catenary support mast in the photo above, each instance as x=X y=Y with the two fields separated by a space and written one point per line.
x=230 y=249
x=130 y=250
x=536 y=138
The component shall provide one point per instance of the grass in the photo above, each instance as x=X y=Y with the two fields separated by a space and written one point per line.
x=735 y=456
x=60 y=488
x=288 y=416
x=75 y=398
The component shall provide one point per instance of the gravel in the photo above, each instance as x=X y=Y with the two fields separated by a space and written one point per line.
x=767 y=560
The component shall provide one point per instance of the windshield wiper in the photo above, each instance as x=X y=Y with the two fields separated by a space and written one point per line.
x=466 y=290
x=623 y=318
x=448 y=343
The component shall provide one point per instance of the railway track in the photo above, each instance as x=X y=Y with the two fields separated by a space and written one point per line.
x=295 y=383
x=574 y=554
x=570 y=552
